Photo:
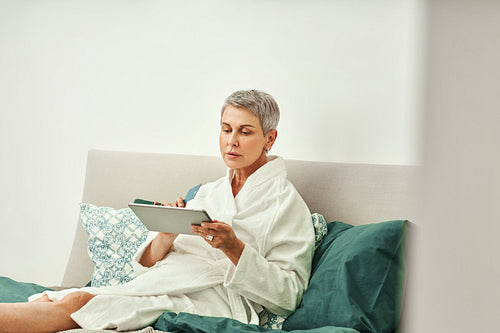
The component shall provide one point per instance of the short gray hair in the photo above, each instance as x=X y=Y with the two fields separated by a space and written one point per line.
x=259 y=103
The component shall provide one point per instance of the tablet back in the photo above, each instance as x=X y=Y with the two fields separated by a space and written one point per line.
x=174 y=220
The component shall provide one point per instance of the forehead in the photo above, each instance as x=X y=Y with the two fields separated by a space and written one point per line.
x=235 y=116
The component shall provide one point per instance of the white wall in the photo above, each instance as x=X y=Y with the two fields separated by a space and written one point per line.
x=152 y=75
x=455 y=277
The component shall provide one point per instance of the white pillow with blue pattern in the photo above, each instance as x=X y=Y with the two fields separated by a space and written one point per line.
x=114 y=237
x=271 y=320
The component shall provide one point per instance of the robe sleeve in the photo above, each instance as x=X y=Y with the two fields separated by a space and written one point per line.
x=277 y=277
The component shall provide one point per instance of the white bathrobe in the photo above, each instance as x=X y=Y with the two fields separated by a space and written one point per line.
x=273 y=221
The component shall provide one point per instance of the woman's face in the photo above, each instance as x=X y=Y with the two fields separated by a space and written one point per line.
x=242 y=141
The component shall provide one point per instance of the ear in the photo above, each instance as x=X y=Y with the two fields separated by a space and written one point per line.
x=271 y=138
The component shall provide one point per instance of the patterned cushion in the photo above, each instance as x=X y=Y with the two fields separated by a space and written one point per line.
x=320 y=229
x=274 y=321
x=114 y=237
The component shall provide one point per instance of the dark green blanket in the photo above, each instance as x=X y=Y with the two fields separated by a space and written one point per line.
x=17 y=292
x=186 y=322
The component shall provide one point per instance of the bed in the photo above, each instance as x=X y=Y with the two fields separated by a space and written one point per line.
x=359 y=270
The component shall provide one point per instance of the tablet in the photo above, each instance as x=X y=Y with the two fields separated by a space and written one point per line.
x=175 y=220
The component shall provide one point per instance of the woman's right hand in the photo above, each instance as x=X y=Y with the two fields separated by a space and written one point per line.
x=161 y=244
x=157 y=249
x=178 y=203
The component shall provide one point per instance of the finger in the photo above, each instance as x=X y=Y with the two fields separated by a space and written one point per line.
x=207 y=225
x=216 y=226
x=211 y=224
x=206 y=236
x=199 y=230
x=180 y=202
x=195 y=228
x=164 y=203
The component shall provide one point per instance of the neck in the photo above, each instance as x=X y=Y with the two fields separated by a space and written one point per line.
x=240 y=176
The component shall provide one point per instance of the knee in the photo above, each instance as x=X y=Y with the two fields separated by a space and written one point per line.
x=43 y=298
x=75 y=301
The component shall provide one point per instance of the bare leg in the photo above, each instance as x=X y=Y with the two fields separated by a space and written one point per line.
x=42 y=316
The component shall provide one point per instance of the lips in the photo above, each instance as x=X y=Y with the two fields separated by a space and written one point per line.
x=232 y=154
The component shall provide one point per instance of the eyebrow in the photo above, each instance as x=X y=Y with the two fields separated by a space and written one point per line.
x=244 y=125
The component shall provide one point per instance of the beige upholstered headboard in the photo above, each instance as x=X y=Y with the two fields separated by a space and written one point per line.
x=352 y=193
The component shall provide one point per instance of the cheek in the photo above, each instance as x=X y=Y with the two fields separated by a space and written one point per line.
x=224 y=142
x=255 y=144
x=221 y=141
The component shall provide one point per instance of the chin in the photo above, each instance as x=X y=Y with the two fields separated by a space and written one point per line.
x=232 y=164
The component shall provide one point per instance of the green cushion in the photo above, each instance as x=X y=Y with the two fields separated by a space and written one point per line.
x=187 y=322
x=16 y=292
x=356 y=279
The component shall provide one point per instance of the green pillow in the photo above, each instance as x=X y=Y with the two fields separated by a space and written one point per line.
x=356 y=279
x=17 y=292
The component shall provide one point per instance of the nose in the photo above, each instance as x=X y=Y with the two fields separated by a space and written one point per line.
x=233 y=140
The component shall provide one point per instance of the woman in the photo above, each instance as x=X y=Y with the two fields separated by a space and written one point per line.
x=256 y=253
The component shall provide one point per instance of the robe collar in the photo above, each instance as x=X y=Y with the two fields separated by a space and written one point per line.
x=274 y=167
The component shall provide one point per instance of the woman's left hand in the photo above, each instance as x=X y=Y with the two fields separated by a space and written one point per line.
x=221 y=236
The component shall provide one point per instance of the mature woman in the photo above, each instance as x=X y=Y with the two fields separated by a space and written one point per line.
x=256 y=254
